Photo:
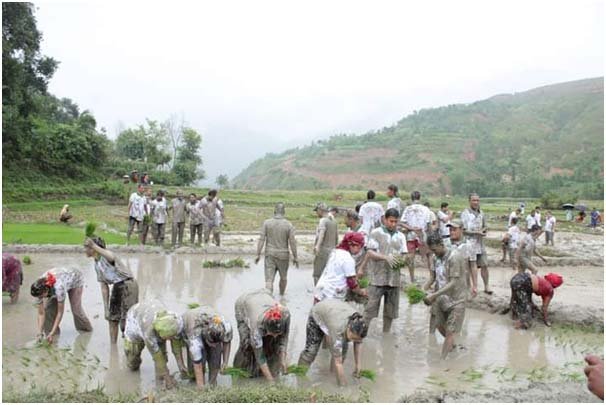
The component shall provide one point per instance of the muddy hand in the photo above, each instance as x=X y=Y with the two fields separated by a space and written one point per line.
x=595 y=375
x=295 y=263
x=390 y=260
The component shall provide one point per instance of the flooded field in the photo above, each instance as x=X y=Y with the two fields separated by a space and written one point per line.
x=494 y=356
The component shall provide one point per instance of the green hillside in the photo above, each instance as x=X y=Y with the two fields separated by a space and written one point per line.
x=525 y=144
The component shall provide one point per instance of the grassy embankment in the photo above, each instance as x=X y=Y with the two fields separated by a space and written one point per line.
x=33 y=218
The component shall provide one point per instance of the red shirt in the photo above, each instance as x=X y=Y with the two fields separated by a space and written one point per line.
x=545 y=288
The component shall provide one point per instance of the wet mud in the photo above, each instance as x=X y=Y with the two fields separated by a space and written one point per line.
x=494 y=356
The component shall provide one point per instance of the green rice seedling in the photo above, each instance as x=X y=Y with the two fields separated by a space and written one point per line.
x=297 y=370
x=228 y=264
x=472 y=374
x=400 y=263
x=27 y=260
x=414 y=294
x=363 y=282
x=89 y=230
x=369 y=374
x=193 y=305
x=147 y=219
x=237 y=372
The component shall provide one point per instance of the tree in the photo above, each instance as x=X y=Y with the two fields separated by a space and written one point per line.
x=188 y=161
x=146 y=143
x=222 y=181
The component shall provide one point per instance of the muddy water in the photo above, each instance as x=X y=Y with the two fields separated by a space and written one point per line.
x=495 y=355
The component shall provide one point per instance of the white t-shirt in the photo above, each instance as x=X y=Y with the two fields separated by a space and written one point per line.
x=396 y=203
x=370 y=214
x=514 y=236
x=333 y=282
x=512 y=216
x=537 y=217
x=530 y=221
x=137 y=206
x=416 y=216
x=550 y=224
x=444 y=221
x=159 y=211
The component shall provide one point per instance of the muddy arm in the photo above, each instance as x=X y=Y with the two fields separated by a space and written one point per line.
x=546 y=301
x=41 y=315
x=226 y=352
x=105 y=296
x=357 y=358
x=292 y=242
x=60 y=310
x=103 y=252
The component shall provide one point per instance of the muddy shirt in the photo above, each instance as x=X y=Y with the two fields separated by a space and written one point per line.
x=331 y=235
x=11 y=273
x=250 y=309
x=370 y=215
x=198 y=320
x=550 y=224
x=109 y=273
x=67 y=279
x=278 y=233
x=439 y=269
x=443 y=221
x=512 y=216
x=333 y=282
x=455 y=268
x=514 y=237
x=178 y=207
x=195 y=213
x=396 y=203
x=139 y=325
x=219 y=213
x=209 y=210
x=137 y=206
x=159 y=211
x=332 y=317
x=474 y=221
x=387 y=243
x=529 y=246
x=416 y=216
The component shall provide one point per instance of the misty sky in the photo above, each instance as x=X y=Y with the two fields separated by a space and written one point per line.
x=264 y=76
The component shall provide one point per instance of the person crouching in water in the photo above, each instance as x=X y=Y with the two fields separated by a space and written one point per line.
x=208 y=336
x=263 y=325
x=523 y=285
x=51 y=289
x=339 y=276
x=448 y=300
x=124 y=291
x=339 y=323
x=149 y=324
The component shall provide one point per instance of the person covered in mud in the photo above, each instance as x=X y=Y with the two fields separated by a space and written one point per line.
x=65 y=216
x=394 y=198
x=339 y=323
x=415 y=222
x=371 y=213
x=327 y=237
x=277 y=235
x=51 y=289
x=523 y=285
x=149 y=324
x=209 y=211
x=146 y=224
x=475 y=230
x=136 y=211
x=511 y=241
x=111 y=271
x=550 y=225
x=457 y=242
x=339 y=276
x=12 y=276
x=159 y=211
x=526 y=249
x=263 y=326
x=219 y=221
x=196 y=219
x=208 y=336
x=178 y=208
x=448 y=299
x=385 y=251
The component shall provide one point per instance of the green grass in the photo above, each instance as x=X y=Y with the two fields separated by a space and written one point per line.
x=60 y=234
x=226 y=264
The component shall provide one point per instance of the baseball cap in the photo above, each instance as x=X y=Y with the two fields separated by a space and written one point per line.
x=455 y=223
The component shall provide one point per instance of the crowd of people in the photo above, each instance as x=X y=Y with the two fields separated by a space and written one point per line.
x=377 y=244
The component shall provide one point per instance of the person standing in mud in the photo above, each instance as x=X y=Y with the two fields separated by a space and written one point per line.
x=444 y=217
x=475 y=230
x=339 y=276
x=327 y=237
x=523 y=285
x=196 y=220
x=550 y=223
x=263 y=326
x=526 y=249
x=50 y=290
x=147 y=219
x=371 y=213
x=178 y=208
x=208 y=336
x=457 y=242
x=511 y=241
x=209 y=211
x=415 y=221
x=150 y=324
x=339 y=323
x=277 y=234
x=386 y=247
x=136 y=211
x=219 y=221
x=448 y=300
x=514 y=214
x=159 y=215
x=124 y=291
x=12 y=276
x=394 y=198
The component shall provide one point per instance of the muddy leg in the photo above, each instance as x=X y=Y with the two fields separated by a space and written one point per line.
x=313 y=338
x=411 y=266
x=80 y=319
x=113 y=331
x=448 y=344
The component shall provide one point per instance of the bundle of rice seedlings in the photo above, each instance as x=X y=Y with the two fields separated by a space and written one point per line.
x=89 y=230
x=27 y=260
x=237 y=372
x=297 y=370
x=400 y=263
x=193 y=305
x=370 y=374
x=147 y=219
x=363 y=282
x=415 y=294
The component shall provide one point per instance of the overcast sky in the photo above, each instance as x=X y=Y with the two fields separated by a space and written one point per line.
x=263 y=76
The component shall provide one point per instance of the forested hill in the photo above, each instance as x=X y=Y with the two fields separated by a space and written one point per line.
x=524 y=144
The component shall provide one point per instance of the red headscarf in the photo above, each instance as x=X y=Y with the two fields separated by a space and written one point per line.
x=273 y=314
x=50 y=280
x=554 y=279
x=351 y=238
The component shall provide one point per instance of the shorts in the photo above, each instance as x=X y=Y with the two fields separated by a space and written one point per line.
x=521 y=298
x=271 y=265
x=480 y=259
x=447 y=316
x=124 y=295
x=391 y=302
